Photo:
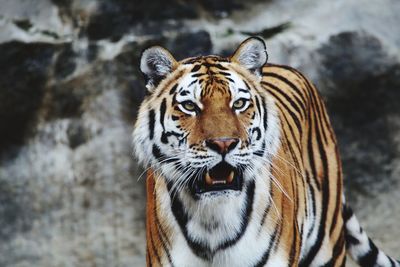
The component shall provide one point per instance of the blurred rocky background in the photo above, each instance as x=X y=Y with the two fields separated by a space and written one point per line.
x=70 y=89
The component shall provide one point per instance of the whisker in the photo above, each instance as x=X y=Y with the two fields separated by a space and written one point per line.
x=290 y=164
x=277 y=169
x=177 y=182
x=163 y=160
x=275 y=181
x=275 y=207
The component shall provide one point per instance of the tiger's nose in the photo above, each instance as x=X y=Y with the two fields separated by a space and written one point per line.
x=222 y=145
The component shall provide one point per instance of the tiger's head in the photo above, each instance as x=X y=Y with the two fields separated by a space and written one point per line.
x=206 y=125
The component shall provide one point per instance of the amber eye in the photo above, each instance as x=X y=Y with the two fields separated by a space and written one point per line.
x=240 y=103
x=189 y=106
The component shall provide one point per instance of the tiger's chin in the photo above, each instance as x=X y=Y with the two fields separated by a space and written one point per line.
x=222 y=179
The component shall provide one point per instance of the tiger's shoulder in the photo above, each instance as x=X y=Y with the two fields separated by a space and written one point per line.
x=287 y=80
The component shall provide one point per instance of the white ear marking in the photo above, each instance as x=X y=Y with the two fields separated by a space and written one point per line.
x=156 y=63
x=251 y=54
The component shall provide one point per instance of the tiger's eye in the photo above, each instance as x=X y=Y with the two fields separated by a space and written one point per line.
x=238 y=104
x=189 y=106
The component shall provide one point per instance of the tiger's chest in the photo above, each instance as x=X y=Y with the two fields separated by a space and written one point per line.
x=251 y=251
x=230 y=233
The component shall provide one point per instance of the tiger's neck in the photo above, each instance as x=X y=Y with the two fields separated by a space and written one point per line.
x=204 y=232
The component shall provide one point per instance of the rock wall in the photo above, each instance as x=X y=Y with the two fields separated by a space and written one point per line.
x=70 y=193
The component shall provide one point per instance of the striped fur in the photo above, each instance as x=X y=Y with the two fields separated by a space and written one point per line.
x=290 y=209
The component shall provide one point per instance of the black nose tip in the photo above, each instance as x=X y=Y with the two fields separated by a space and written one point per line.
x=222 y=145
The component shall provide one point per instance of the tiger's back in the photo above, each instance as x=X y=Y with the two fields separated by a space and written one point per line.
x=244 y=166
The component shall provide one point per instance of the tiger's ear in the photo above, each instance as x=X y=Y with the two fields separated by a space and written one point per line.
x=155 y=64
x=251 y=54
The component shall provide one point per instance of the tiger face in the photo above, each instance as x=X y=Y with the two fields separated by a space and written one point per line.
x=206 y=126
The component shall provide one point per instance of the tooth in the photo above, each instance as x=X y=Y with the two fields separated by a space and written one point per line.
x=218 y=182
x=209 y=180
x=230 y=177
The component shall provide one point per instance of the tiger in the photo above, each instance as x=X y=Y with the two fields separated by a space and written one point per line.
x=243 y=167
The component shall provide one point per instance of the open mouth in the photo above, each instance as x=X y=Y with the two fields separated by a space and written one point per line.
x=219 y=178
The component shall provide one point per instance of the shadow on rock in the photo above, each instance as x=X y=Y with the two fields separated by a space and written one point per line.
x=360 y=82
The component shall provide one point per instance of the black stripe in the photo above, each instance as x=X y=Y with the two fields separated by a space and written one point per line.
x=193 y=82
x=339 y=248
x=265 y=119
x=160 y=231
x=224 y=73
x=330 y=263
x=369 y=259
x=184 y=92
x=182 y=218
x=256 y=129
x=292 y=253
x=152 y=120
x=351 y=240
x=198 y=75
x=318 y=111
x=160 y=156
x=208 y=64
x=148 y=258
x=260 y=152
x=310 y=151
x=201 y=250
x=157 y=153
x=267 y=209
x=153 y=246
x=245 y=219
x=313 y=204
x=344 y=262
x=267 y=252
x=196 y=68
x=247 y=85
x=165 y=135
x=164 y=239
x=283 y=79
x=219 y=66
x=292 y=115
x=325 y=201
x=174 y=100
x=392 y=262
x=288 y=99
x=338 y=206
x=163 y=109
x=299 y=75
x=291 y=131
x=173 y=89
x=347 y=213
x=258 y=105
x=324 y=117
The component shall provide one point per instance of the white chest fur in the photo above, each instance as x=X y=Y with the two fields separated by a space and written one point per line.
x=221 y=229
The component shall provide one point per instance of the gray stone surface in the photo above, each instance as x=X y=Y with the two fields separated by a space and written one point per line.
x=70 y=89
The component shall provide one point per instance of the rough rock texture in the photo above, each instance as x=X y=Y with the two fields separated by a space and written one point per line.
x=70 y=89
